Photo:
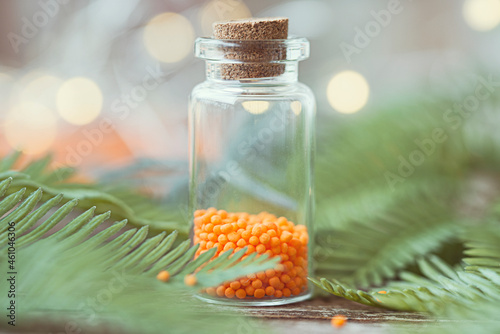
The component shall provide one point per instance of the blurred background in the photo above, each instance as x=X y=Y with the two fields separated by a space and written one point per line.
x=103 y=84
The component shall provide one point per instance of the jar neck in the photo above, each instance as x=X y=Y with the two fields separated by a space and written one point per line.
x=265 y=73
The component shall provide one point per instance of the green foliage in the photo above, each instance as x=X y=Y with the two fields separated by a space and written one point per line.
x=367 y=254
x=376 y=229
x=348 y=292
x=58 y=270
x=483 y=248
x=378 y=233
x=370 y=226
x=442 y=291
x=65 y=288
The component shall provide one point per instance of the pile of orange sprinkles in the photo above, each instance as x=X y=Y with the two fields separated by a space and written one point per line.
x=263 y=233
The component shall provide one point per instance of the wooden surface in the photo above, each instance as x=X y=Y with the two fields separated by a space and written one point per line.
x=306 y=317
x=314 y=317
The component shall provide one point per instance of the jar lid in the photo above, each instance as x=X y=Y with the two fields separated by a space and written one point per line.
x=252 y=28
x=252 y=48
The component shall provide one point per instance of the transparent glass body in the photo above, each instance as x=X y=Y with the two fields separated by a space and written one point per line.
x=252 y=146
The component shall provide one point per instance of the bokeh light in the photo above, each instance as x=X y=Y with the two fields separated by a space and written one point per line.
x=79 y=101
x=296 y=107
x=30 y=127
x=220 y=10
x=348 y=92
x=482 y=15
x=169 y=37
x=43 y=89
x=255 y=107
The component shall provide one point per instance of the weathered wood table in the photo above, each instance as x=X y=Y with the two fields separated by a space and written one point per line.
x=314 y=317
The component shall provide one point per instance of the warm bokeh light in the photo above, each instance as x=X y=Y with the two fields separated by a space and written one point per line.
x=169 y=37
x=79 y=101
x=255 y=107
x=348 y=92
x=296 y=107
x=30 y=127
x=221 y=10
x=482 y=15
x=42 y=89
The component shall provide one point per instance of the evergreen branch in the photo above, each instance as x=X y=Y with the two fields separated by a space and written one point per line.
x=482 y=248
x=72 y=249
x=341 y=290
x=367 y=253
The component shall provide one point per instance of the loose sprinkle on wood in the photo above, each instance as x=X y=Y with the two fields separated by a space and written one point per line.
x=339 y=321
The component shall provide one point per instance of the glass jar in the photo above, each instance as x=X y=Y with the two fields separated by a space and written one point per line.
x=252 y=140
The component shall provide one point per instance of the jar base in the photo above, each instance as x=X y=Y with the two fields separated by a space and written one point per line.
x=254 y=302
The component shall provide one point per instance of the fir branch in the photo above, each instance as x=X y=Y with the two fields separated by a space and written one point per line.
x=64 y=267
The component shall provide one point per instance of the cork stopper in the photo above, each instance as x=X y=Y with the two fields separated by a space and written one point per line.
x=252 y=29
x=254 y=59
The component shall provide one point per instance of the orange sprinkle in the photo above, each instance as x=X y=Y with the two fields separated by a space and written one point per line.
x=286 y=236
x=250 y=290
x=220 y=290
x=285 y=278
x=190 y=280
x=257 y=230
x=240 y=293
x=226 y=228
x=274 y=282
x=257 y=284
x=217 y=229
x=246 y=235
x=259 y=293
x=269 y=253
x=339 y=321
x=275 y=242
x=270 y=273
x=269 y=291
x=260 y=248
x=242 y=223
x=264 y=238
x=229 y=245
x=229 y=293
x=233 y=236
x=382 y=292
x=245 y=282
x=163 y=276
x=235 y=285
x=254 y=240
x=261 y=275
x=250 y=249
